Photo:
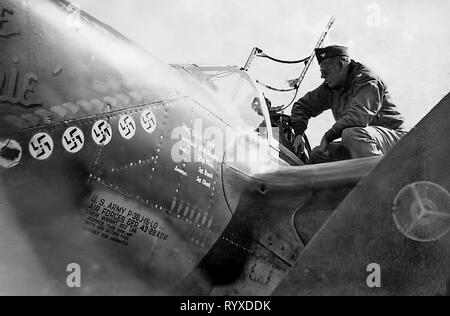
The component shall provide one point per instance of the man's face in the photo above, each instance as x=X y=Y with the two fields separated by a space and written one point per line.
x=332 y=72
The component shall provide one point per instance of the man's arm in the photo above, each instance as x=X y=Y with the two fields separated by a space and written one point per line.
x=365 y=104
x=311 y=105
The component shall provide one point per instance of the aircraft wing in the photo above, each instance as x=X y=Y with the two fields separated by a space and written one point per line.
x=390 y=236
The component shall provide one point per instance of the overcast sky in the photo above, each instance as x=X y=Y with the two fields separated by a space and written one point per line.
x=406 y=41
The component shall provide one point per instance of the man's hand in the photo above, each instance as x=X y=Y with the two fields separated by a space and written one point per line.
x=298 y=144
x=324 y=146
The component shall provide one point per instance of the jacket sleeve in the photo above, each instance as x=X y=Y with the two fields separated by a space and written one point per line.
x=365 y=103
x=311 y=105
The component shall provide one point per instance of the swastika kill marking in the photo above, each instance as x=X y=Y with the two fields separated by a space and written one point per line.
x=148 y=121
x=41 y=146
x=73 y=140
x=127 y=127
x=101 y=133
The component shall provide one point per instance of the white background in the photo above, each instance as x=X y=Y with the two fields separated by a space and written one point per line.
x=406 y=41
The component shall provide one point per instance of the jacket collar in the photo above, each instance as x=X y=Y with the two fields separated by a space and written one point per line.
x=353 y=69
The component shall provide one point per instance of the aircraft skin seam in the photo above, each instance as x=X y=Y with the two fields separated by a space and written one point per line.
x=252 y=253
x=211 y=113
x=274 y=253
x=133 y=164
x=110 y=114
x=161 y=140
x=226 y=198
x=94 y=164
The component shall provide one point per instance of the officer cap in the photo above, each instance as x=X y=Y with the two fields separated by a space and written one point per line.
x=331 y=51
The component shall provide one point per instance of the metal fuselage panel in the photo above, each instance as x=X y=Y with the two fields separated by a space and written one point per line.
x=90 y=167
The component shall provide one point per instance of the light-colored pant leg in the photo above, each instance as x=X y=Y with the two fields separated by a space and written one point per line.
x=370 y=141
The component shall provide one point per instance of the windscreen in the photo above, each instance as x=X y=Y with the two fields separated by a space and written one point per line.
x=236 y=91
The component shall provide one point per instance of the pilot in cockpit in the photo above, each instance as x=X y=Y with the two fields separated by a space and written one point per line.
x=280 y=123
